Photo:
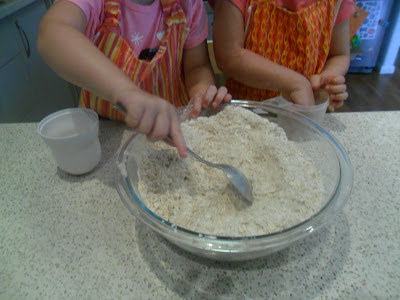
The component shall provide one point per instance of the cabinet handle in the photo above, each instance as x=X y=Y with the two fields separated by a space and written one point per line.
x=28 y=47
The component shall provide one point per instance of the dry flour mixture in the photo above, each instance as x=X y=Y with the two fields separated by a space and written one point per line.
x=287 y=187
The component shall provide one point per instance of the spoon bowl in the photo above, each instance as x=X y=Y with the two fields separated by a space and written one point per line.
x=238 y=180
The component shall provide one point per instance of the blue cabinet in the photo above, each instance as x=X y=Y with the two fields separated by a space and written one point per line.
x=16 y=91
x=29 y=89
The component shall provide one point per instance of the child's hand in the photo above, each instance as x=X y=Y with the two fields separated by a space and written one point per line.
x=152 y=116
x=299 y=92
x=334 y=85
x=208 y=96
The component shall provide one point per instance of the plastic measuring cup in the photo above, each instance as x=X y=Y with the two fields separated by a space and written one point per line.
x=314 y=112
x=73 y=137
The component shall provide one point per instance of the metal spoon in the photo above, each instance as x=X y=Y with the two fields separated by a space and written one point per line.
x=236 y=177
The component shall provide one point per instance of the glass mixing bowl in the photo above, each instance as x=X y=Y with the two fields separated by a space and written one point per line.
x=327 y=154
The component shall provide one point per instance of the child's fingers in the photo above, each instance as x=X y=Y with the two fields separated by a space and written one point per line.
x=336 y=89
x=220 y=96
x=335 y=80
x=339 y=96
x=176 y=134
x=208 y=97
x=147 y=122
x=315 y=81
x=160 y=127
x=336 y=104
x=196 y=101
x=228 y=97
x=133 y=119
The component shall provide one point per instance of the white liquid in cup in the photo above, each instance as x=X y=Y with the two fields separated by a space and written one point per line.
x=72 y=135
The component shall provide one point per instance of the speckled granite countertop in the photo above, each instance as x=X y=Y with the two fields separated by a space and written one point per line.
x=66 y=237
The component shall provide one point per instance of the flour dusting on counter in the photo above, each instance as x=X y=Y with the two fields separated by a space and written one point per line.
x=287 y=187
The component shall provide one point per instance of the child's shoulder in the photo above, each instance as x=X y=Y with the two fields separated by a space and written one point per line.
x=193 y=8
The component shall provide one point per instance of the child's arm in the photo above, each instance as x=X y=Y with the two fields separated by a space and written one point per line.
x=65 y=48
x=199 y=79
x=332 y=76
x=248 y=67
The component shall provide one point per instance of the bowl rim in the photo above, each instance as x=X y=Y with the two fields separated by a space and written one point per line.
x=90 y=113
x=257 y=242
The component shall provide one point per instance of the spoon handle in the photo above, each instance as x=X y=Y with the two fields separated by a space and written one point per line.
x=119 y=107
x=190 y=152
x=201 y=159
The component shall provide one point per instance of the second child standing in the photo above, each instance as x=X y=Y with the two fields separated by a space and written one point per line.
x=289 y=47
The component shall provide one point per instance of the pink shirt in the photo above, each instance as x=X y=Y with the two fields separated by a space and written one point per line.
x=346 y=9
x=143 y=26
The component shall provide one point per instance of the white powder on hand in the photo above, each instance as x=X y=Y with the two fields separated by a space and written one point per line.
x=287 y=187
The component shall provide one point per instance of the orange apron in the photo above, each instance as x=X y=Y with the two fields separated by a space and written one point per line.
x=162 y=76
x=297 y=40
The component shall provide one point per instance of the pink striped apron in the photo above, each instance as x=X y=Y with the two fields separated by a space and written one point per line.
x=162 y=76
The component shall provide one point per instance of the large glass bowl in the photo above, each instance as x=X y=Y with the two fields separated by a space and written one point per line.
x=323 y=149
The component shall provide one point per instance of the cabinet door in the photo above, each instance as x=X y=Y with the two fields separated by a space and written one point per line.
x=16 y=91
x=8 y=40
x=51 y=91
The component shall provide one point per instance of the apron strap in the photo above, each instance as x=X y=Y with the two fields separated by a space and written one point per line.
x=337 y=8
x=173 y=12
x=112 y=15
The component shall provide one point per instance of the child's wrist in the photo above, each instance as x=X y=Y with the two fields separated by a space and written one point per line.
x=124 y=94
x=294 y=81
